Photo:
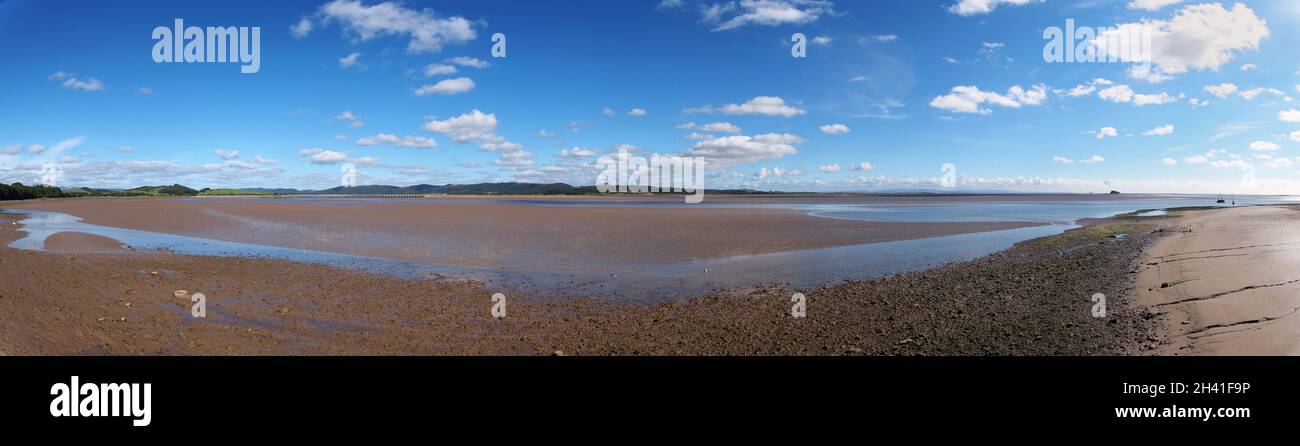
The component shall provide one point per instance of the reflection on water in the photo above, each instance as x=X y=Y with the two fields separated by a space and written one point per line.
x=657 y=281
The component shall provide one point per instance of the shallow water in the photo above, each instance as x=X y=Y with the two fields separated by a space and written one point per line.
x=658 y=281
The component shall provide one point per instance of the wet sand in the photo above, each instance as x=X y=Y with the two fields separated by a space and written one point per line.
x=1029 y=300
x=1228 y=283
x=465 y=232
x=72 y=241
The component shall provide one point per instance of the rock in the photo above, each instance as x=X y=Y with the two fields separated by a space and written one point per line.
x=180 y=294
x=557 y=353
x=153 y=273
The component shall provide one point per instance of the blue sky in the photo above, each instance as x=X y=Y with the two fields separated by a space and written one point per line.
x=889 y=92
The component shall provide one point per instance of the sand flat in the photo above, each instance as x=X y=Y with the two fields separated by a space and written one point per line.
x=501 y=235
x=1229 y=282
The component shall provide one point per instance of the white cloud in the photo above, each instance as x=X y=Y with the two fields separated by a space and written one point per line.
x=720 y=127
x=1249 y=66
x=829 y=168
x=763 y=105
x=1198 y=37
x=608 y=112
x=885 y=38
x=470 y=62
x=72 y=82
x=1153 y=99
x=1167 y=129
x=1221 y=90
x=1063 y=160
x=447 y=87
x=577 y=152
x=1295 y=136
x=321 y=156
x=227 y=154
x=302 y=28
x=969 y=99
x=438 y=69
x=1291 y=115
x=1151 y=5
x=823 y=40
x=1264 y=146
x=145 y=90
x=766 y=12
x=1118 y=93
x=1169 y=161
x=1107 y=131
x=349 y=60
x=636 y=112
x=976 y=7
x=428 y=32
x=467 y=127
x=741 y=149
x=416 y=142
x=862 y=167
x=1251 y=94
x=834 y=129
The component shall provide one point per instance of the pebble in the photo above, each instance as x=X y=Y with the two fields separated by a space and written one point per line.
x=181 y=293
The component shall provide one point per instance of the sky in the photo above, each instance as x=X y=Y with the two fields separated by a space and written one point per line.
x=411 y=92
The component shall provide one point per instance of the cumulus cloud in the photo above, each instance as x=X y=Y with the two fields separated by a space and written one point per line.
x=1118 y=93
x=474 y=125
x=742 y=149
x=1163 y=130
x=1169 y=161
x=718 y=127
x=577 y=152
x=1107 y=131
x=1198 y=37
x=636 y=112
x=976 y=7
x=428 y=32
x=1264 y=146
x=227 y=154
x=970 y=99
x=862 y=167
x=417 y=142
x=322 y=156
x=1153 y=99
x=1151 y=5
x=447 y=87
x=469 y=62
x=1221 y=90
x=829 y=168
x=761 y=105
x=438 y=69
x=834 y=129
x=1291 y=115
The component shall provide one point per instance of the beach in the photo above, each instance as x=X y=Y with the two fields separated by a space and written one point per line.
x=1227 y=282
x=86 y=295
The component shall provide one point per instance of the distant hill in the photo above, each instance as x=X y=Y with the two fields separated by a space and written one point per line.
x=460 y=189
x=173 y=190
